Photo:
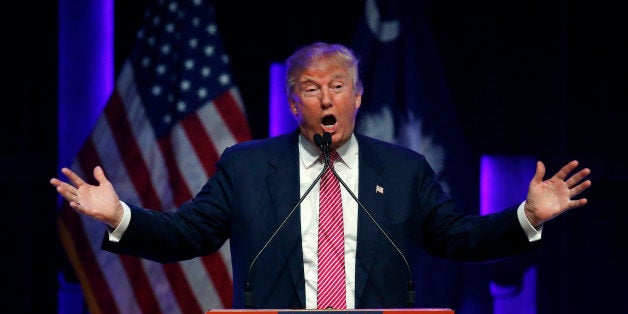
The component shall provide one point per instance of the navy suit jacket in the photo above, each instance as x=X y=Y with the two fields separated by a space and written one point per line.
x=256 y=185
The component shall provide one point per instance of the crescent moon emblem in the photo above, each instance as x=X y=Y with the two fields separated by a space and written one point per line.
x=384 y=31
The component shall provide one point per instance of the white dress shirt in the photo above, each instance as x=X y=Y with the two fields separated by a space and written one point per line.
x=310 y=166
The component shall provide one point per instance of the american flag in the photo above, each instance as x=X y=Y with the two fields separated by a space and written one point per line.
x=174 y=109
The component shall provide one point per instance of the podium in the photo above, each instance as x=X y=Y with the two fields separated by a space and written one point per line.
x=356 y=311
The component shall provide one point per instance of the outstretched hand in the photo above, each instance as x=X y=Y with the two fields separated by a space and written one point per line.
x=98 y=201
x=550 y=198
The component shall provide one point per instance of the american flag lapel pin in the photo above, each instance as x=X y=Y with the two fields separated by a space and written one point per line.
x=379 y=189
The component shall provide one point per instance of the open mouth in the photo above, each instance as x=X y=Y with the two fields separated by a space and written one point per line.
x=329 y=123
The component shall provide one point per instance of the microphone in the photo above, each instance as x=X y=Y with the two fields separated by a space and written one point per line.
x=325 y=144
x=248 y=293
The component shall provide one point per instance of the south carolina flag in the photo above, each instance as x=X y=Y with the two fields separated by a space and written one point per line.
x=406 y=101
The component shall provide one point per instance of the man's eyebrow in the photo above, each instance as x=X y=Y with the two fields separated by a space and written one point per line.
x=338 y=75
x=308 y=79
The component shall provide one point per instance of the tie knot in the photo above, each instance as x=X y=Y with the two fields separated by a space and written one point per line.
x=333 y=155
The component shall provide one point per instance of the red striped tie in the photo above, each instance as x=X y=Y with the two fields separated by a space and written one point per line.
x=331 y=247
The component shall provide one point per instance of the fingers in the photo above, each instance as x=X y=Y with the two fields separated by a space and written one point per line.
x=79 y=208
x=66 y=190
x=73 y=177
x=56 y=182
x=76 y=206
x=575 y=183
x=99 y=174
x=576 y=178
x=540 y=172
x=573 y=192
x=577 y=203
x=64 y=186
x=566 y=169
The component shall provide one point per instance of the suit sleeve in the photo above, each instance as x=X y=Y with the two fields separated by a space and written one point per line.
x=446 y=232
x=199 y=227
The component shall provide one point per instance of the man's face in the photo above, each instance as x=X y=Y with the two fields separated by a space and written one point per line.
x=324 y=100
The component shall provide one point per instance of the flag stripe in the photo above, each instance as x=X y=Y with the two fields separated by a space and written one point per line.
x=193 y=140
x=216 y=127
x=116 y=171
x=179 y=186
x=197 y=276
x=201 y=143
x=161 y=287
x=181 y=289
x=220 y=276
x=144 y=135
x=231 y=113
x=97 y=295
x=140 y=284
x=89 y=157
x=190 y=164
x=173 y=275
x=185 y=155
x=138 y=173
x=169 y=271
x=139 y=176
x=131 y=156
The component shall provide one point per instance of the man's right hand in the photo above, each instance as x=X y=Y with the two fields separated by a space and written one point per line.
x=98 y=201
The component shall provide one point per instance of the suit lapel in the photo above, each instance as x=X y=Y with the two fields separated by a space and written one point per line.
x=284 y=194
x=372 y=197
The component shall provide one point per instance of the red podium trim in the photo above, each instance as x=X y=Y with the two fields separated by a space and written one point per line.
x=356 y=311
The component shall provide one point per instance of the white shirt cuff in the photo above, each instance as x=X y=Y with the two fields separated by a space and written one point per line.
x=534 y=234
x=116 y=234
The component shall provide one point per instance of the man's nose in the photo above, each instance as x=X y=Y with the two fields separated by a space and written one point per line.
x=326 y=100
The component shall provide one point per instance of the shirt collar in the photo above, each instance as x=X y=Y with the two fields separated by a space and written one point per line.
x=310 y=153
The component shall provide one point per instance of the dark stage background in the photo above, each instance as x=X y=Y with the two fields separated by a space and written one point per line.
x=540 y=78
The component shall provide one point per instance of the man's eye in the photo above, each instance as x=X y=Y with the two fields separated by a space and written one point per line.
x=310 y=90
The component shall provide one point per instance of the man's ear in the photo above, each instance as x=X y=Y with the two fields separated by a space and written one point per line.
x=358 y=101
x=293 y=106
